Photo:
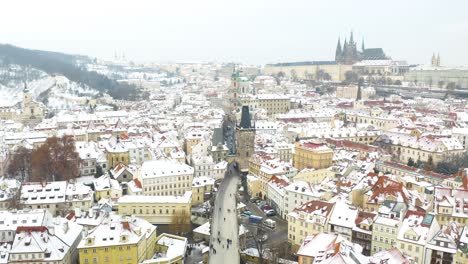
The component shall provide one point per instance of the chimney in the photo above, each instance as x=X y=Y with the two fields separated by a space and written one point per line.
x=461 y=206
x=65 y=227
x=402 y=215
x=51 y=230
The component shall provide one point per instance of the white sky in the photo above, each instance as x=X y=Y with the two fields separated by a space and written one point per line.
x=249 y=31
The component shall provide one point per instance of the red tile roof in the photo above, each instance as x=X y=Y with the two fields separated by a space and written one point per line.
x=126 y=225
x=29 y=229
x=312 y=145
x=70 y=216
x=312 y=206
x=385 y=187
x=137 y=183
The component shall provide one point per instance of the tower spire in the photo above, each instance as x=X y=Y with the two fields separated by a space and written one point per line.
x=433 y=60
x=351 y=39
x=338 y=53
x=362 y=45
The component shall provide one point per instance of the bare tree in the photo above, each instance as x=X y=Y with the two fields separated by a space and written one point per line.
x=259 y=235
x=179 y=223
x=283 y=251
x=56 y=160
x=20 y=164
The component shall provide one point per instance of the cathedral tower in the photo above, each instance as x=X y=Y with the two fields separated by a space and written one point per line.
x=338 y=52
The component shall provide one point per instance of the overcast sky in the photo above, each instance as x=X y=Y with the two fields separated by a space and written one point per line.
x=248 y=31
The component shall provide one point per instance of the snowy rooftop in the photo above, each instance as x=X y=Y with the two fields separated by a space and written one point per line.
x=176 y=246
x=41 y=193
x=164 y=167
x=202 y=181
x=117 y=230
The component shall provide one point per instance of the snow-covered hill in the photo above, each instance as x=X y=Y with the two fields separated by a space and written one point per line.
x=59 y=92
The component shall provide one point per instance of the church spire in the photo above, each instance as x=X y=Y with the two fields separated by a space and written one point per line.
x=351 y=39
x=338 y=53
x=25 y=88
x=362 y=45
x=245 y=122
x=438 y=60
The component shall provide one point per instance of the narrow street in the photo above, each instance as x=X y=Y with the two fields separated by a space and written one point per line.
x=224 y=224
x=276 y=237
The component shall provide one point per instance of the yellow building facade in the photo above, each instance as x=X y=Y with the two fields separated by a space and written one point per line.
x=312 y=155
x=201 y=187
x=308 y=219
x=314 y=176
x=121 y=240
x=158 y=209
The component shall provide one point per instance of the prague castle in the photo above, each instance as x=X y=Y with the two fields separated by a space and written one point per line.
x=349 y=54
x=346 y=56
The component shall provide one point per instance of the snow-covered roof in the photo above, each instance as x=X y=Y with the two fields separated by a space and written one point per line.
x=117 y=230
x=175 y=247
x=164 y=168
x=43 y=193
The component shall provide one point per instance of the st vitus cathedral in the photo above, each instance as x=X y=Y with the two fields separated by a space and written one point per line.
x=349 y=54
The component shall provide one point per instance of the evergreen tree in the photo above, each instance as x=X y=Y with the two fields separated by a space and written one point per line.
x=359 y=94
x=429 y=164
x=411 y=162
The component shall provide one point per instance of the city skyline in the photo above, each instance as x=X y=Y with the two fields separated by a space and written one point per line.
x=254 y=33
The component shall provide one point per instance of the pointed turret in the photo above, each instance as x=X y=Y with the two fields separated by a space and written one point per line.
x=245 y=122
x=433 y=60
x=338 y=52
x=351 y=39
x=362 y=45
x=438 y=60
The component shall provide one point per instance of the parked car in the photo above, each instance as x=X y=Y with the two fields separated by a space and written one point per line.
x=265 y=206
x=262 y=203
x=270 y=213
x=253 y=200
x=255 y=219
x=248 y=213
x=258 y=202
x=270 y=223
x=266 y=209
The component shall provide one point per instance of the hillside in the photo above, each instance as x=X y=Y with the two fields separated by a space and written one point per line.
x=54 y=63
